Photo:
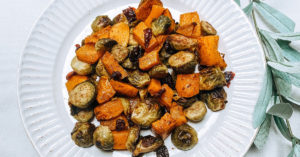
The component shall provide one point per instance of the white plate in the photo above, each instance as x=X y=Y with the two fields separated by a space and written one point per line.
x=46 y=61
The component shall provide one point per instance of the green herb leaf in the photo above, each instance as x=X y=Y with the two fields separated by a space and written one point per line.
x=288 y=52
x=297 y=150
x=238 y=2
x=282 y=127
x=295 y=79
x=263 y=133
x=287 y=67
x=291 y=154
x=283 y=88
x=259 y=114
x=248 y=9
x=275 y=18
x=293 y=36
x=274 y=52
x=283 y=110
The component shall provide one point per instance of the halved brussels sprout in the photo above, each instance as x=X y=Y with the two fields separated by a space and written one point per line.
x=184 y=102
x=211 y=78
x=103 y=138
x=100 y=69
x=82 y=115
x=207 y=28
x=216 y=99
x=100 y=22
x=196 y=112
x=82 y=134
x=80 y=67
x=144 y=114
x=162 y=151
x=161 y=25
x=127 y=64
x=126 y=106
x=180 y=42
x=120 y=18
x=105 y=44
x=120 y=53
x=147 y=144
x=184 y=137
x=159 y=71
x=139 y=79
x=132 y=41
x=164 y=56
x=143 y=93
x=183 y=62
x=83 y=94
x=133 y=136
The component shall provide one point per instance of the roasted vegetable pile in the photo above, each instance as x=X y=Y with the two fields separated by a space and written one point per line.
x=140 y=71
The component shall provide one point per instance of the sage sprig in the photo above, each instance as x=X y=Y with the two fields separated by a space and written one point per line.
x=282 y=72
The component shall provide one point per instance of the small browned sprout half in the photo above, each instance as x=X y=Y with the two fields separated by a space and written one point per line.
x=105 y=44
x=83 y=95
x=164 y=56
x=147 y=144
x=132 y=41
x=139 y=79
x=133 y=136
x=82 y=134
x=159 y=71
x=120 y=53
x=145 y=114
x=183 y=62
x=216 y=99
x=180 y=42
x=207 y=28
x=81 y=68
x=120 y=18
x=100 y=69
x=196 y=112
x=103 y=138
x=184 y=137
x=100 y=22
x=127 y=64
x=143 y=93
x=162 y=151
x=211 y=78
x=184 y=102
x=126 y=106
x=82 y=115
x=161 y=25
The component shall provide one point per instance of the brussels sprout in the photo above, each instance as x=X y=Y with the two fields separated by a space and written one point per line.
x=143 y=93
x=180 y=42
x=82 y=115
x=120 y=53
x=83 y=94
x=183 y=62
x=103 y=138
x=127 y=64
x=100 y=22
x=207 y=28
x=105 y=44
x=100 y=69
x=126 y=106
x=196 y=112
x=120 y=18
x=161 y=25
x=215 y=100
x=135 y=52
x=159 y=71
x=184 y=102
x=184 y=137
x=133 y=136
x=80 y=67
x=134 y=103
x=82 y=134
x=147 y=144
x=164 y=56
x=144 y=114
x=162 y=151
x=139 y=79
x=132 y=41
x=211 y=78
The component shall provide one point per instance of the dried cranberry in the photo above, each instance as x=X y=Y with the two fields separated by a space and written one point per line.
x=169 y=81
x=70 y=74
x=229 y=76
x=159 y=93
x=147 y=36
x=135 y=54
x=116 y=75
x=130 y=14
x=148 y=140
x=168 y=48
x=77 y=47
x=120 y=124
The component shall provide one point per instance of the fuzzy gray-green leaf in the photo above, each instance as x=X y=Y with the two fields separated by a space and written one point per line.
x=283 y=110
x=297 y=150
x=283 y=88
x=287 y=67
x=282 y=127
x=263 y=133
x=288 y=52
x=248 y=9
x=238 y=2
x=274 y=51
x=293 y=36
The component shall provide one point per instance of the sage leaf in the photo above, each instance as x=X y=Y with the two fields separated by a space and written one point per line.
x=274 y=51
x=288 y=52
x=297 y=150
x=238 y=2
x=295 y=79
x=282 y=127
x=248 y=9
x=265 y=95
x=283 y=110
x=283 y=88
x=278 y=20
x=289 y=78
x=263 y=133
x=287 y=67
x=291 y=154
x=293 y=36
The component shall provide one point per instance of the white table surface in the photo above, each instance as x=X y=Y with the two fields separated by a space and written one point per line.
x=17 y=17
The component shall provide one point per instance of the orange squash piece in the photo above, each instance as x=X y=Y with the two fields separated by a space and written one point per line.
x=124 y=88
x=156 y=11
x=149 y=60
x=177 y=114
x=87 y=53
x=75 y=80
x=192 y=17
x=154 y=87
x=164 y=126
x=112 y=124
x=120 y=33
x=105 y=90
x=187 y=85
x=94 y=37
x=109 y=110
x=173 y=24
x=120 y=138
x=166 y=97
x=138 y=34
x=186 y=30
x=144 y=9
x=111 y=65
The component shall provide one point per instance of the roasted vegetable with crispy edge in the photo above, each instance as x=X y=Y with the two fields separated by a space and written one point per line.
x=120 y=33
x=80 y=67
x=187 y=85
x=103 y=138
x=139 y=36
x=196 y=111
x=216 y=99
x=145 y=7
x=166 y=97
x=177 y=114
x=133 y=136
x=120 y=53
x=105 y=90
x=105 y=44
x=184 y=102
x=154 y=87
x=82 y=115
x=149 y=60
x=145 y=114
x=112 y=65
x=74 y=80
x=100 y=22
x=207 y=28
x=100 y=69
x=139 y=79
x=120 y=138
x=183 y=62
x=82 y=134
x=211 y=78
x=120 y=18
x=95 y=36
x=88 y=54
x=180 y=42
x=109 y=110
x=155 y=13
x=147 y=144
x=192 y=17
x=118 y=123
x=164 y=126
x=161 y=25
x=159 y=71
x=83 y=94
x=124 y=88
x=143 y=93
x=184 y=137
x=127 y=64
